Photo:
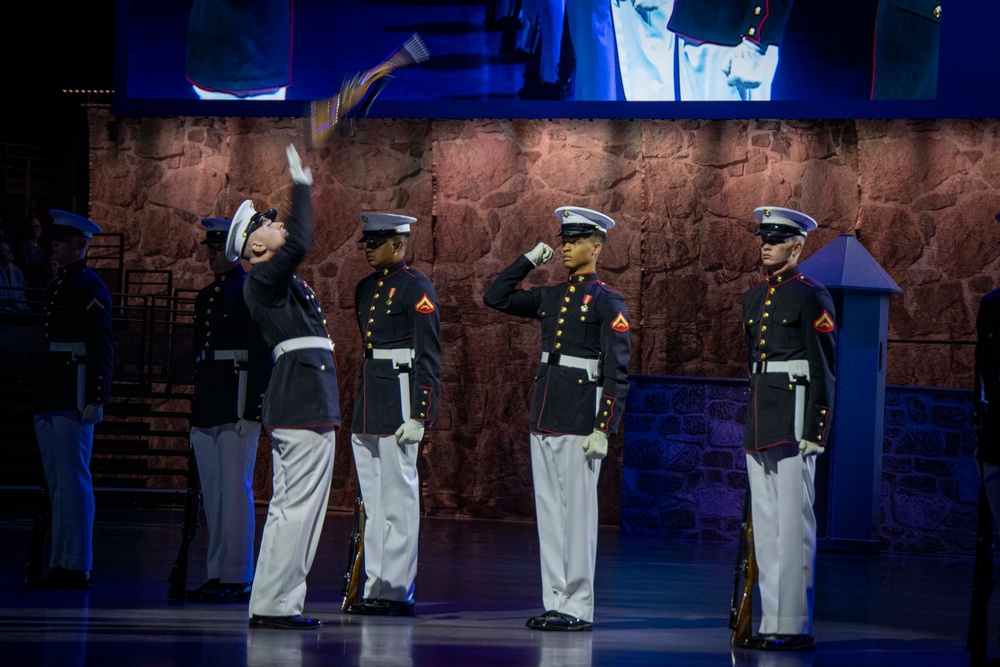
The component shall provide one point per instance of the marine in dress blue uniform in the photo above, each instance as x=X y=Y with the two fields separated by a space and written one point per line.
x=232 y=366
x=577 y=401
x=301 y=405
x=399 y=392
x=791 y=338
x=728 y=49
x=74 y=387
x=986 y=393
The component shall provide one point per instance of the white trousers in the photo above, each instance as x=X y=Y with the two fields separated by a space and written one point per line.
x=645 y=50
x=565 y=484
x=225 y=465
x=303 y=466
x=702 y=72
x=390 y=488
x=784 y=536
x=65 y=446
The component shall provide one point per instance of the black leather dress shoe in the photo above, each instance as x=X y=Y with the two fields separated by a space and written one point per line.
x=223 y=592
x=377 y=607
x=199 y=594
x=535 y=622
x=61 y=579
x=780 y=643
x=560 y=622
x=296 y=622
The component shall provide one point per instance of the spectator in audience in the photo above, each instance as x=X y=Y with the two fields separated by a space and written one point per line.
x=12 y=294
x=32 y=256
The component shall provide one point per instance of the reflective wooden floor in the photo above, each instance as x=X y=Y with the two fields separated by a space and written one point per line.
x=658 y=603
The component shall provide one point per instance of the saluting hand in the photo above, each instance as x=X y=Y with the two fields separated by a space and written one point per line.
x=810 y=448
x=596 y=445
x=540 y=254
x=299 y=175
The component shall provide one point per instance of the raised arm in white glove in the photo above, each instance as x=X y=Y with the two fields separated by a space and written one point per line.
x=596 y=445
x=810 y=448
x=410 y=432
x=299 y=175
x=540 y=254
x=92 y=414
x=245 y=427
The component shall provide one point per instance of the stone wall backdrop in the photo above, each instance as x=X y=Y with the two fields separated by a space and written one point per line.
x=920 y=196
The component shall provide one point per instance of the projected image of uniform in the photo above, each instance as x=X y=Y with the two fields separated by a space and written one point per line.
x=907 y=40
x=240 y=49
x=728 y=49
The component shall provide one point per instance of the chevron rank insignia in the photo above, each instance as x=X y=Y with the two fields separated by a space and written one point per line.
x=620 y=323
x=424 y=306
x=824 y=323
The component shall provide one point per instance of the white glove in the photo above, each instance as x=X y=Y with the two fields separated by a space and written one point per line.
x=540 y=254
x=745 y=72
x=596 y=445
x=92 y=414
x=809 y=448
x=410 y=433
x=245 y=427
x=299 y=175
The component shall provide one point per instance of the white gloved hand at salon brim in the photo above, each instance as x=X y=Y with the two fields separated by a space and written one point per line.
x=810 y=448
x=540 y=254
x=410 y=432
x=596 y=445
x=299 y=175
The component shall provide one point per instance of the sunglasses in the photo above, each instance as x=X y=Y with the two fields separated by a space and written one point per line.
x=373 y=243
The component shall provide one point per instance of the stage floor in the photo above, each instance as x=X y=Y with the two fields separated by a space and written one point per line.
x=659 y=602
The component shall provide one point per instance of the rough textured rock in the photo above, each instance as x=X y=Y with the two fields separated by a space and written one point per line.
x=920 y=195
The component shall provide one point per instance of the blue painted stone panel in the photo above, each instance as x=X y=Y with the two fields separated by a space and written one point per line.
x=684 y=471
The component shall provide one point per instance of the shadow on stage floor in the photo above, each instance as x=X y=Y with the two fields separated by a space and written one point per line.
x=659 y=602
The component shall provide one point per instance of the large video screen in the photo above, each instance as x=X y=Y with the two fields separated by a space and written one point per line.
x=559 y=58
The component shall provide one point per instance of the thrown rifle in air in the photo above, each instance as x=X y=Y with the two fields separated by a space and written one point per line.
x=361 y=89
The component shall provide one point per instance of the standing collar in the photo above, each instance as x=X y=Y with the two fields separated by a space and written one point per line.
x=583 y=279
x=235 y=272
x=783 y=276
x=391 y=269
x=73 y=267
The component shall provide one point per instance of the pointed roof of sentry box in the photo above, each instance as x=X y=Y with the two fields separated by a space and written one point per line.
x=844 y=264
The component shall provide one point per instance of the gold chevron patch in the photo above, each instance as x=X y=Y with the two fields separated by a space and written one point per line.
x=824 y=323
x=620 y=323
x=424 y=306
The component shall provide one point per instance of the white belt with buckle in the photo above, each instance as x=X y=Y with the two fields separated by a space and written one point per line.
x=224 y=355
x=302 y=343
x=794 y=367
x=592 y=366
x=77 y=349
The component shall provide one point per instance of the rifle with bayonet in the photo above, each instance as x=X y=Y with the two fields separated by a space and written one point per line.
x=177 y=579
x=744 y=579
x=351 y=590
